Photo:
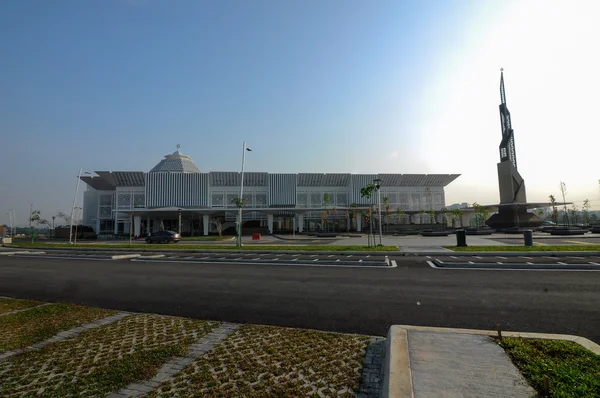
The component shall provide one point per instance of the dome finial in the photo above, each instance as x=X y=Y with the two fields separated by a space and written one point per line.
x=178 y=146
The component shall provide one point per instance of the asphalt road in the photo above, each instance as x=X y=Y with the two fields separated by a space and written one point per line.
x=362 y=300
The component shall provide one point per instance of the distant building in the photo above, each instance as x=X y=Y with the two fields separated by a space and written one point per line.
x=176 y=188
x=457 y=206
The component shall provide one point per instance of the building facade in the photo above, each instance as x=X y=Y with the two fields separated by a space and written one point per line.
x=176 y=195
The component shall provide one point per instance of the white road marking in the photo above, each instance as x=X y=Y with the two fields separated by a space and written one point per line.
x=204 y=258
x=295 y=255
x=370 y=256
x=331 y=255
x=578 y=258
x=498 y=262
x=479 y=257
x=528 y=258
x=360 y=261
x=561 y=263
x=528 y=263
x=471 y=262
x=295 y=259
x=579 y=242
x=503 y=258
x=337 y=260
x=593 y=263
x=453 y=257
x=316 y=259
x=349 y=255
x=313 y=255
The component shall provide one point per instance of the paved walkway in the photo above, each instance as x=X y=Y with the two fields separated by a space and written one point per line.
x=448 y=365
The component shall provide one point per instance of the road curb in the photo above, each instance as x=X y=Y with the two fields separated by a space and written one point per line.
x=354 y=253
x=507 y=254
x=397 y=377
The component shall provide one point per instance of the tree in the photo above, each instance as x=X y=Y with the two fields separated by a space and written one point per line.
x=554 y=209
x=386 y=204
x=400 y=214
x=218 y=223
x=352 y=214
x=540 y=212
x=64 y=216
x=574 y=211
x=563 y=190
x=367 y=192
x=34 y=218
x=456 y=216
x=586 y=211
x=239 y=202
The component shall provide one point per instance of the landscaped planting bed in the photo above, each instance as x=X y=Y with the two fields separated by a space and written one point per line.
x=260 y=361
x=10 y=304
x=24 y=328
x=572 y=370
x=101 y=360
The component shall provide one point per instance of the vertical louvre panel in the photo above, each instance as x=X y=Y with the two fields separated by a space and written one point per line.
x=359 y=181
x=282 y=190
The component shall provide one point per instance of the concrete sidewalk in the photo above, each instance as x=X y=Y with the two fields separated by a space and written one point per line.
x=426 y=362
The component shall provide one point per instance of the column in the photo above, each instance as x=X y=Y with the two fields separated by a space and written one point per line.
x=270 y=222
x=116 y=224
x=300 y=222
x=97 y=227
x=347 y=224
x=359 y=222
x=148 y=230
x=137 y=225
x=205 y=225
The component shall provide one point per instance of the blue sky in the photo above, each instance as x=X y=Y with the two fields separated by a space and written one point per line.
x=312 y=86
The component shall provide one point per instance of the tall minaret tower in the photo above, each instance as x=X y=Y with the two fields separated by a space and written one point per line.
x=507 y=146
x=511 y=184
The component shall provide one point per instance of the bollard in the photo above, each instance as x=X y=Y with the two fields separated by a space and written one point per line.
x=528 y=235
x=461 y=238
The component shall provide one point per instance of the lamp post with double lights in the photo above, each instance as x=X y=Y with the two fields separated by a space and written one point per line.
x=241 y=201
x=73 y=207
x=377 y=182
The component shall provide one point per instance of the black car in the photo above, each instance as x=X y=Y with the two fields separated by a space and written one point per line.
x=164 y=237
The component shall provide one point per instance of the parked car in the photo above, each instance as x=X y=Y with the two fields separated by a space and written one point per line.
x=163 y=237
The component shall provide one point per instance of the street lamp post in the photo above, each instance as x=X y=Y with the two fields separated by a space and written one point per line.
x=179 y=227
x=73 y=207
x=11 y=222
x=53 y=230
x=77 y=208
x=377 y=182
x=241 y=202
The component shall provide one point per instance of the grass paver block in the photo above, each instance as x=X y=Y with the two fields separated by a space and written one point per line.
x=260 y=361
x=25 y=328
x=102 y=360
x=572 y=370
x=11 y=304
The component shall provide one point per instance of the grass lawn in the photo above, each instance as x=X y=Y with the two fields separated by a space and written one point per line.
x=11 y=304
x=557 y=248
x=267 y=361
x=572 y=370
x=102 y=360
x=28 y=327
x=158 y=247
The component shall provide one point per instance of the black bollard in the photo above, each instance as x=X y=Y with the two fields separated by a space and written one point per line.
x=528 y=235
x=461 y=238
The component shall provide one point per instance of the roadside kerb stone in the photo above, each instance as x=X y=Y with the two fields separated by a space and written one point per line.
x=232 y=250
x=19 y=252
x=175 y=365
x=65 y=335
x=25 y=309
x=506 y=254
